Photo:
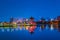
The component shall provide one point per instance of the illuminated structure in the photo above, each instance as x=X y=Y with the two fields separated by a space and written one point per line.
x=30 y=24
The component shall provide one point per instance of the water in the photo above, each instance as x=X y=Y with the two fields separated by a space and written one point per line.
x=17 y=34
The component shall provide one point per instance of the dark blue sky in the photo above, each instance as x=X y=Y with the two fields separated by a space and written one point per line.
x=27 y=8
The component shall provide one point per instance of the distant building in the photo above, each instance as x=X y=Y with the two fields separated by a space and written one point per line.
x=5 y=24
x=31 y=19
x=11 y=19
x=43 y=23
x=1 y=24
x=58 y=18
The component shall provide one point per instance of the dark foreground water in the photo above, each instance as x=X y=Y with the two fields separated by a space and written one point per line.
x=45 y=34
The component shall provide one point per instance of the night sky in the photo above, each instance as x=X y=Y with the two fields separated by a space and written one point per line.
x=26 y=9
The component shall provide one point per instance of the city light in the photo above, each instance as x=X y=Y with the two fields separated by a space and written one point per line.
x=30 y=24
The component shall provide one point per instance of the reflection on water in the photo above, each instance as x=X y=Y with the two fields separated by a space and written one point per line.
x=40 y=28
x=28 y=29
x=30 y=24
x=39 y=34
